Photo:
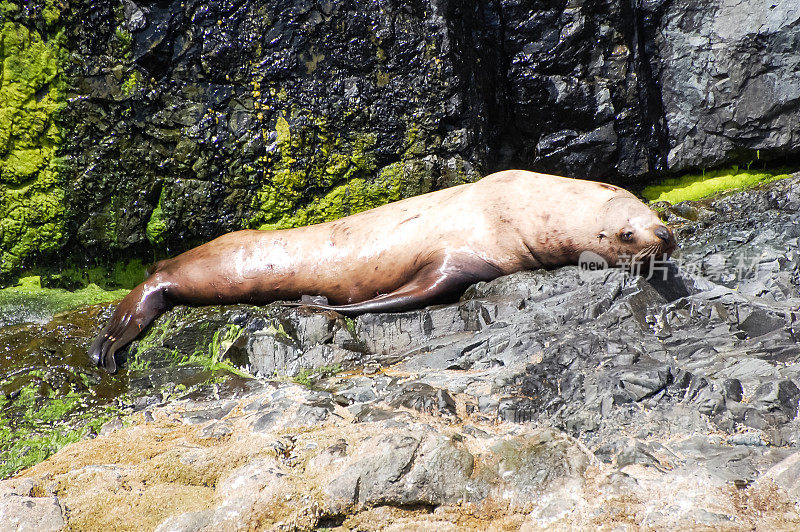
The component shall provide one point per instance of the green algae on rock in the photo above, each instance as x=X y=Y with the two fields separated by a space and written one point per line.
x=29 y=301
x=157 y=224
x=72 y=276
x=308 y=377
x=32 y=211
x=696 y=186
x=205 y=338
x=39 y=420
x=315 y=175
x=52 y=395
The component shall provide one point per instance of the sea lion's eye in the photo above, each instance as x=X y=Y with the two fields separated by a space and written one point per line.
x=627 y=236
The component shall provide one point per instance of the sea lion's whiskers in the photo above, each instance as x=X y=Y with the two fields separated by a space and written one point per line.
x=648 y=251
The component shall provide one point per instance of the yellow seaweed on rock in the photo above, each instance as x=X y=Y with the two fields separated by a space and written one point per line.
x=30 y=289
x=32 y=210
x=697 y=186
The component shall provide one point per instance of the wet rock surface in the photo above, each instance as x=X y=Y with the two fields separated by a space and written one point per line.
x=562 y=398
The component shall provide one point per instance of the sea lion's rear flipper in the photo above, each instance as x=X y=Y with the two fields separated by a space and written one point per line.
x=430 y=285
x=134 y=313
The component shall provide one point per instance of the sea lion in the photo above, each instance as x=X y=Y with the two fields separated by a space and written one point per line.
x=402 y=255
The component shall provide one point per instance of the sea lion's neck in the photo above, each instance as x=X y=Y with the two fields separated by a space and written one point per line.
x=559 y=237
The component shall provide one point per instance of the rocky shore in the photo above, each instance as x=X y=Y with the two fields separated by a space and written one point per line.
x=132 y=130
x=541 y=400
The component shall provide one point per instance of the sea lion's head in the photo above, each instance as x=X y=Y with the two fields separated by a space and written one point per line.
x=632 y=232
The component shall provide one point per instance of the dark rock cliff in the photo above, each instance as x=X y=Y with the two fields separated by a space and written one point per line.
x=179 y=121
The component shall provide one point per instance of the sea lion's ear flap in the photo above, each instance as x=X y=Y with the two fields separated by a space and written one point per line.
x=602 y=235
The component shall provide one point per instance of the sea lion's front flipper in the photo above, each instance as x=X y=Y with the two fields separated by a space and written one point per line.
x=134 y=313
x=430 y=285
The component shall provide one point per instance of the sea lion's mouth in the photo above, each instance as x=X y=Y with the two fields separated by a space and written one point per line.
x=657 y=250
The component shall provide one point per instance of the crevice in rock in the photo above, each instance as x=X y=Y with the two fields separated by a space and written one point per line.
x=654 y=125
x=330 y=521
x=413 y=507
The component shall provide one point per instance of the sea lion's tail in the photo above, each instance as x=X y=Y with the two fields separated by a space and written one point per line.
x=135 y=312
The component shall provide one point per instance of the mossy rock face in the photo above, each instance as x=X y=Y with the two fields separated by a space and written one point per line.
x=183 y=122
x=154 y=128
x=139 y=130
x=32 y=211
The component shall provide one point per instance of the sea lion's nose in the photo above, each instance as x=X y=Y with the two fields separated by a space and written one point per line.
x=663 y=233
